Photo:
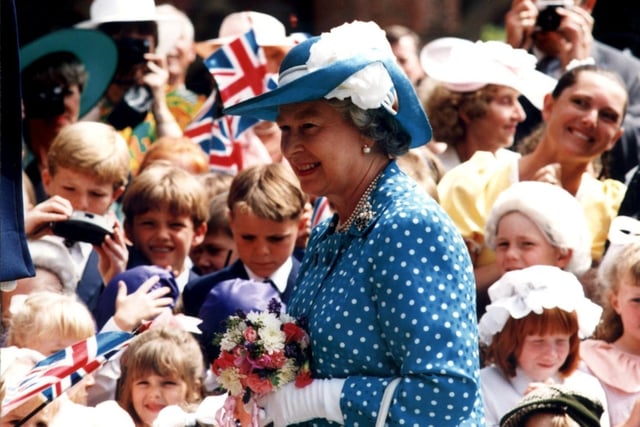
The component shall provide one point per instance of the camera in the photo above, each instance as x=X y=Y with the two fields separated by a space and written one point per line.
x=83 y=227
x=548 y=17
x=131 y=52
x=45 y=102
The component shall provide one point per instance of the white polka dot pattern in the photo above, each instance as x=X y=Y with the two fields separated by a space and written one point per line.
x=396 y=299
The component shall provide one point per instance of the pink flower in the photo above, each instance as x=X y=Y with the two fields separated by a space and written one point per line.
x=278 y=359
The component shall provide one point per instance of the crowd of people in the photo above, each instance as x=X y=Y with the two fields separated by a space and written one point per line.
x=455 y=221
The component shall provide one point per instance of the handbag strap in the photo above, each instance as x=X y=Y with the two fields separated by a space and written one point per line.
x=385 y=404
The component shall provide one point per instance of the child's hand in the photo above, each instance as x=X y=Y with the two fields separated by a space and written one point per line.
x=113 y=254
x=133 y=309
x=550 y=173
x=37 y=219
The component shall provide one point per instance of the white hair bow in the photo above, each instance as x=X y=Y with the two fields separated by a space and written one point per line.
x=624 y=230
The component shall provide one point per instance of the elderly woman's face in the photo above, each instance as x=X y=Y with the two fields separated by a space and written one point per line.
x=323 y=148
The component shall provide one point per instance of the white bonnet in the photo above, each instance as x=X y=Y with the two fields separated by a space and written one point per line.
x=50 y=253
x=530 y=290
x=555 y=211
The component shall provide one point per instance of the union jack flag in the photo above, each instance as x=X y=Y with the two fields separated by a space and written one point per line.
x=239 y=69
x=57 y=373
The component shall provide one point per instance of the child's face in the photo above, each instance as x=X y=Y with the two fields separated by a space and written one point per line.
x=216 y=252
x=541 y=356
x=626 y=302
x=263 y=245
x=41 y=419
x=520 y=244
x=52 y=344
x=84 y=191
x=165 y=239
x=151 y=393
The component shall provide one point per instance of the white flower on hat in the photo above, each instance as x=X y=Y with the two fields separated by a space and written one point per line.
x=519 y=293
x=368 y=88
x=515 y=59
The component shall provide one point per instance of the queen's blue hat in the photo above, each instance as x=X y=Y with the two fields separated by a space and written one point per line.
x=303 y=78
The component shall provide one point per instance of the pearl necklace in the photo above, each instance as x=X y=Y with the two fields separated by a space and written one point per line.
x=363 y=212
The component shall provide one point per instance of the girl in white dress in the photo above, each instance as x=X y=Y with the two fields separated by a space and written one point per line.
x=533 y=328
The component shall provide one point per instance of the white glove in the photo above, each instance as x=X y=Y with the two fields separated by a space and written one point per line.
x=291 y=404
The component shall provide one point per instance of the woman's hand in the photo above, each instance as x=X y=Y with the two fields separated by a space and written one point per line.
x=519 y=22
x=576 y=28
x=156 y=79
x=291 y=404
x=550 y=173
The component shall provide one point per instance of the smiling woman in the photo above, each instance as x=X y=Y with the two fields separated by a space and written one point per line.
x=583 y=117
x=388 y=255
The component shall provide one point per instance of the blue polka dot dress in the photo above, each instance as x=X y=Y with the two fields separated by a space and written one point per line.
x=396 y=299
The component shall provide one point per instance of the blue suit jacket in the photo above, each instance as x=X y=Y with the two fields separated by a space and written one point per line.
x=90 y=285
x=196 y=291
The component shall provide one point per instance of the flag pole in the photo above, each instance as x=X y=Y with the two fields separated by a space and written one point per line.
x=32 y=413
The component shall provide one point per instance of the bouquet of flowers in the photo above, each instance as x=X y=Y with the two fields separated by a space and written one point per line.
x=259 y=352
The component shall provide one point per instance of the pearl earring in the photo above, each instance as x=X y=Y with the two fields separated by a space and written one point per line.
x=366 y=149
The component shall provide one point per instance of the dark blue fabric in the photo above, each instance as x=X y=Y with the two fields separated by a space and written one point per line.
x=224 y=300
x=196 y=291
x=15 y=261
x=90 y=284
x=133 y=278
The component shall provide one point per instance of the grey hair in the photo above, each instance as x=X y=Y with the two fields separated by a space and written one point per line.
x=378 y=125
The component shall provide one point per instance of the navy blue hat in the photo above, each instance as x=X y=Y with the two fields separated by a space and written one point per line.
x=133 y=278
x=224 y=300
x=556 y=399
x=343 y=52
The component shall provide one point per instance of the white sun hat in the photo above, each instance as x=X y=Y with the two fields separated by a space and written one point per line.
x=465 y=66
x=103 y=11
x=269 y=31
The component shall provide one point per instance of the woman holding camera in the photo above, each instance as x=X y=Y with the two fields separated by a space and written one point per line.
x=559 y=32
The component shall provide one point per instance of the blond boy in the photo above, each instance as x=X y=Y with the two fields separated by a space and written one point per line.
x=87 y=168
x=166 y=213
x=265 y=206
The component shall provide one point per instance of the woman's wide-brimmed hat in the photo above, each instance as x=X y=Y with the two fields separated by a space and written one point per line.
x=465 y=66
x=93 y=48
x=352 y=61
x=103 y=11
x=556 y=399
x=269 y=31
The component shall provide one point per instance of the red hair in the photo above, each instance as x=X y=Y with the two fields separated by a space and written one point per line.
x=507 y=344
